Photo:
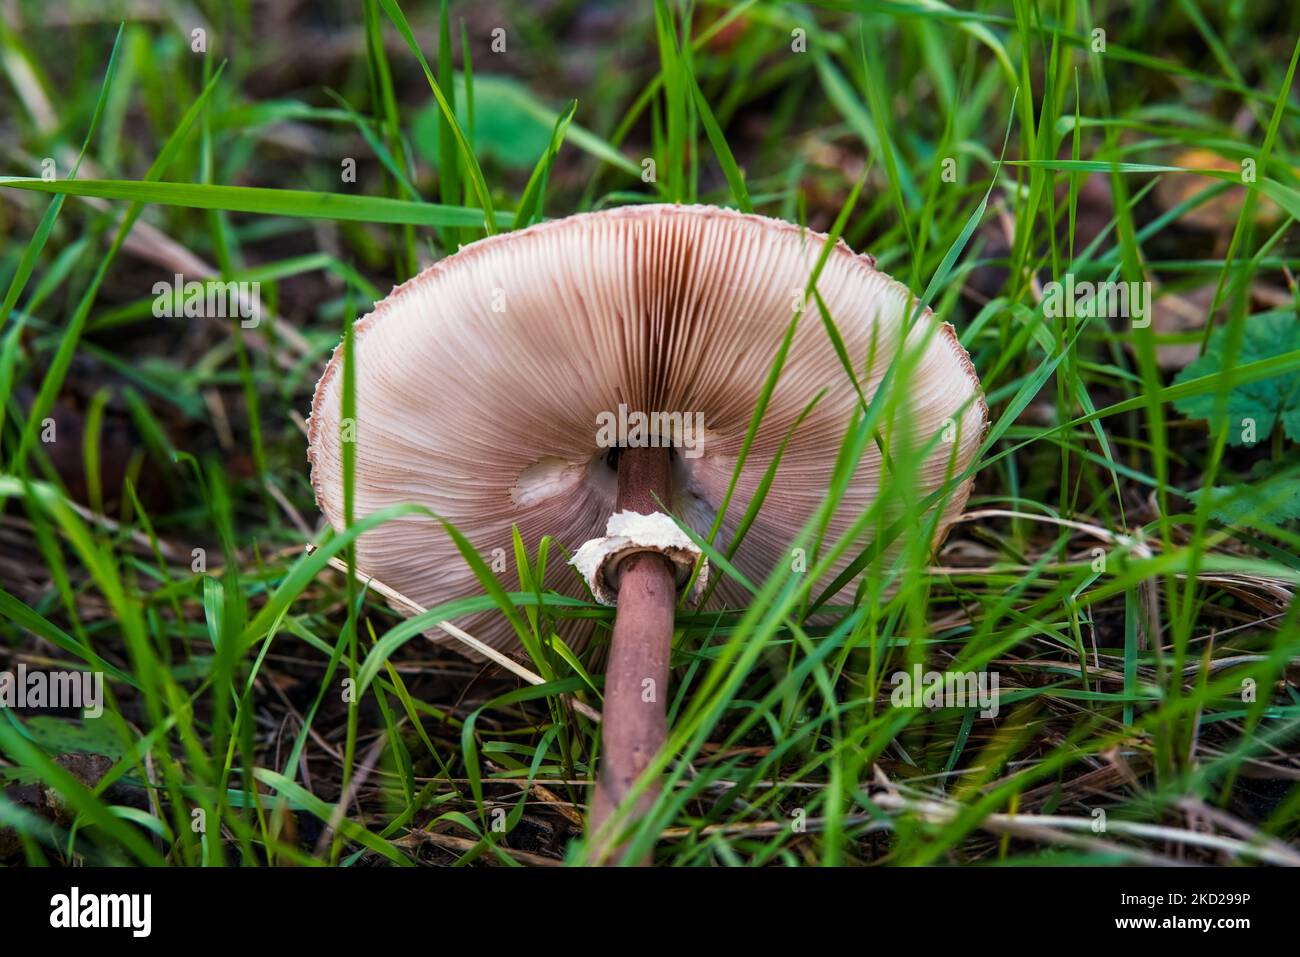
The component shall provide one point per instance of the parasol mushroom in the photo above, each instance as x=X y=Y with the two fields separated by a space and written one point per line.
x=594 y=377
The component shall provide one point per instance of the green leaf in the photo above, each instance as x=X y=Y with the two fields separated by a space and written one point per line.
x=508 y=129
x=263 y=201
x=1255 y=506
x=1267 y=498
x=472 y=169
x=1263 y=403
x=735 y=177
x=532 y=203
x=60 y=735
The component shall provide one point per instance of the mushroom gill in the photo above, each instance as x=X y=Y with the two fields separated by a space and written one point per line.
x=481 y=384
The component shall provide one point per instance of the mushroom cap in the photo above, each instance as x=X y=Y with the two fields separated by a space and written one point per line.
x=481 y=383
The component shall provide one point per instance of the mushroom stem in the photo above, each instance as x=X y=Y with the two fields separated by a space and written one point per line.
x=633 y=728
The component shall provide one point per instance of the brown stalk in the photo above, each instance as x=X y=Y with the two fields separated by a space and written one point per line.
x=636 y=676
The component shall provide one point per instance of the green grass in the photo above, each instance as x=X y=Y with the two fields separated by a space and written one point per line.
x=280 y=703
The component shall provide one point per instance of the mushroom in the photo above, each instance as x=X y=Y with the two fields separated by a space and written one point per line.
x=593 y=379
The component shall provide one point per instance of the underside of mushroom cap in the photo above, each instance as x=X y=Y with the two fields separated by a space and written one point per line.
x=489 y=385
